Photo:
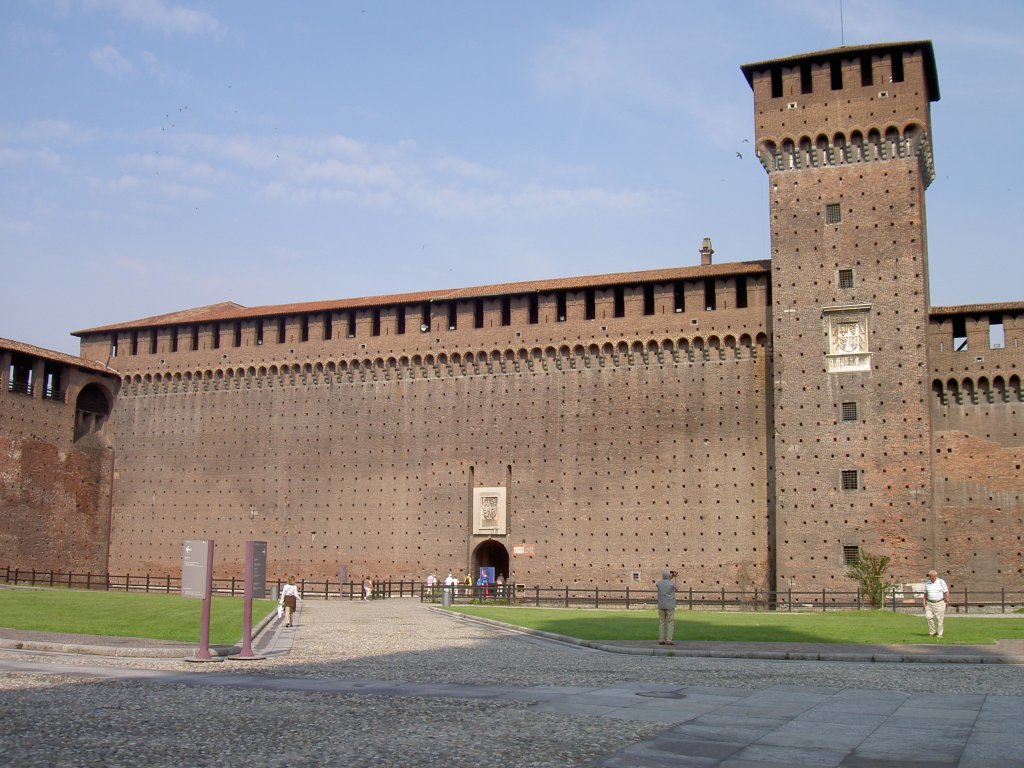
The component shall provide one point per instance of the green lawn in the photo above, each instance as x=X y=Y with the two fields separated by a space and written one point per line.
x=833 y=627
x=119 y=614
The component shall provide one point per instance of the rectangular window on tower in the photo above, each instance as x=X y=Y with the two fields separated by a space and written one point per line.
x=620 y=301
x=534 y=312
x=648 y=299
x=851 y=554
x=400 y=321
x=850 y=480
x=849 y=411
x=589 y=304
x=845 y=278
x=478 y=313
x=833 y=213
x=506 y=310
x=375 y=322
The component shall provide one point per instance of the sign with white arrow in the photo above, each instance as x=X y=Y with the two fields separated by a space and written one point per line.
x=194 y=568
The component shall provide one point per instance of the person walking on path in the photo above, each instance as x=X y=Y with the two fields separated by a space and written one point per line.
x=666 y=607
x=936 y=593
x=289 y=600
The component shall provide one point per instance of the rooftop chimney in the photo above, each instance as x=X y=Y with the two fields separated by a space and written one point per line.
x=705 y=252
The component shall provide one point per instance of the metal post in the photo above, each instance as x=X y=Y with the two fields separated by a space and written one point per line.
x=967 y=604
x=247 y=654
x=1002 y=600
x=204 y=629
x=597 y=599
x=822 y=599
x=538 y=596
x=691 y=598
x=790 y=593
x=627 y=597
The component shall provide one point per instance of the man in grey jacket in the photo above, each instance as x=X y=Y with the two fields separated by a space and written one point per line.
x=666 y=607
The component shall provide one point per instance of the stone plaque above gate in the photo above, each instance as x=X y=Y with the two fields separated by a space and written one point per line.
x=489 y=511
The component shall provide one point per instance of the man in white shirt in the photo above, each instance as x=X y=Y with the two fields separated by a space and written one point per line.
x=936 y=593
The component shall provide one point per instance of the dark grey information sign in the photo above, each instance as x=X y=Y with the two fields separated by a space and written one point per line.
x=194 y=567
x=259 y=569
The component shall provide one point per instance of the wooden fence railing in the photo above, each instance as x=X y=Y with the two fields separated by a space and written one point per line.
x=564 y=596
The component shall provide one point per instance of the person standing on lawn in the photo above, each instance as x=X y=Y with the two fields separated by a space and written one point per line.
x=666 y=607
x=936 y=593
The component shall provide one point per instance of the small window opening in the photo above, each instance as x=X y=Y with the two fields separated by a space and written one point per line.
x=305 y=328
x=113 y=344
x=648 y=299
x=589 y=304
x=867 y=75
x=620 y=301
x=850 y=480
x=478 y=313
x=174 y=339
x=259 y=332
x=237 y=341
x=425 y=319
x=846 y=278
x=135 y=343
x=836 y=68
x=833 y=213
x=506 y=310
x=851 y=554
x=741 y=293
x=776 y=82
x=282 y=330
x=215 y=336
x=350 y=324
x=678 y=296
x=328 y=326
x=560 y=302
x=806 y=82
x=195 y=337
x=709 y=294
x=849 y=411
x=51 y=382
x=375 y=323
x=453 y=315
x=996 y=337
x=634 y=576
x=959 y=334
x=19 y=378
x=897 y=66
x=400 y=321
x=152 y=342
x=534 y=309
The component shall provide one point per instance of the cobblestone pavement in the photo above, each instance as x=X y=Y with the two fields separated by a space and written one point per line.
x=391 y=683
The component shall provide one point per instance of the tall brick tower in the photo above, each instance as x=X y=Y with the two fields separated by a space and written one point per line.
x=845 y=136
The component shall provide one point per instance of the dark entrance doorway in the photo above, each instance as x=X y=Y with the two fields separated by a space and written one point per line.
x=491 y=553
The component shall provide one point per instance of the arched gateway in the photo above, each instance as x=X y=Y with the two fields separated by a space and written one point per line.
x=491 y=553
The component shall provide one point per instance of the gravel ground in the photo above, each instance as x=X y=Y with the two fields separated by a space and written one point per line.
x=58 y=721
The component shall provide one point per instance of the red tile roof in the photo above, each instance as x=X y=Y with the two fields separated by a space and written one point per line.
x=57 y=357
x=227 y=311
x=1008 y=307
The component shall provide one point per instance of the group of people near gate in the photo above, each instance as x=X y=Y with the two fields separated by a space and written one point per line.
x=487 y=583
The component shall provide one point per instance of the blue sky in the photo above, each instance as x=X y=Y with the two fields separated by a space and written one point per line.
x=157 y=155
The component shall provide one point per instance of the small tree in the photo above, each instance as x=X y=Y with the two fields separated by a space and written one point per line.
x=869 y=572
